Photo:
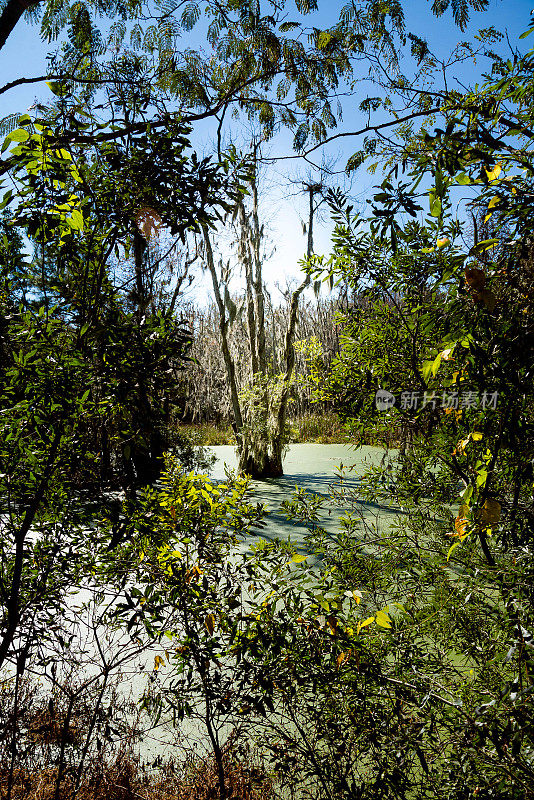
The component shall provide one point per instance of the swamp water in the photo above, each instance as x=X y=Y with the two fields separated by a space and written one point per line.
x=313 y=467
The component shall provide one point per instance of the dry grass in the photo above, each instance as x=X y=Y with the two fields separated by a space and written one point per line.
x=126 y=778
x=48 y=731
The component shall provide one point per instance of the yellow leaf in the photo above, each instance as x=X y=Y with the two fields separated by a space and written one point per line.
x=298 y=559
x=342 y=657
x=494 y=173
x=476 y=436
x=383 y=619
x=365 y=623
x=158 y=662
x=209 y=622
x=442 y=242
x=462 y=445
x=493 y=202
x=332 y=625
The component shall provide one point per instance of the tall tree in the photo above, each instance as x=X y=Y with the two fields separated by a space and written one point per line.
x=87 y=368
x=260 y=412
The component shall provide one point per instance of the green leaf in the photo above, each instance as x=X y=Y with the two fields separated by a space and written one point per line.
x=462 y=179
x=435 y=205
x=7 y=198
x=323 y=39
x=436 y=363
x=57 y=89
x=482 y=478
x=467 y=494
x=76 y=220
x=288 y=26
x=487 y=244
x=431 y=367
x=452 y=548
x=20 y=135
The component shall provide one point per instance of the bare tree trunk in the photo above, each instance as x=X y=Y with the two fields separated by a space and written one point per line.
x=289 y=353
x=147 y=452
x=253 y=324
x=260 y=425
x=12 y=602
x=223 y=327
x=259 y=299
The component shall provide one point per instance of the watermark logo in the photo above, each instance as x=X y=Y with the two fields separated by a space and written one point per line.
x=448 y=400
x=384 y=400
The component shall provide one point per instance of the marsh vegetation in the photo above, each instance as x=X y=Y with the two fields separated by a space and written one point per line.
x=385 y=647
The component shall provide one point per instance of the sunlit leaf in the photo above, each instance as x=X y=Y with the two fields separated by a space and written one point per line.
x=494 y=173
x=383 y=619
x=342 y=657
x=365 y=623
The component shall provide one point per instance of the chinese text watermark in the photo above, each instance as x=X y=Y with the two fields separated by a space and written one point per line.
x=453 y=401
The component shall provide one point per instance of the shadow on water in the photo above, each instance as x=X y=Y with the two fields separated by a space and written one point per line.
x=312 y=468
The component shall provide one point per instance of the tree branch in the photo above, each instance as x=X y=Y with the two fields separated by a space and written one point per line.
x=12 y=12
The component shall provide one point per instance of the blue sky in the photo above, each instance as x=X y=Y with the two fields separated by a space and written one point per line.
x=26 y=55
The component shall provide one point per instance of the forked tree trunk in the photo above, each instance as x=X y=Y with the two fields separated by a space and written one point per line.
x=223 y=327
x=289 y=353
x=260 y=451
